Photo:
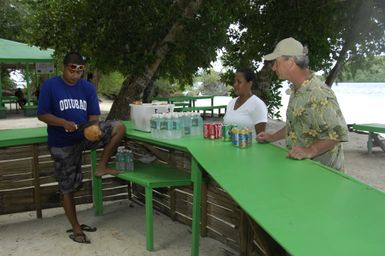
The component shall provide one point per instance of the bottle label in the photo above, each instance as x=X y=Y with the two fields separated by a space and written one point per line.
x=163 y=125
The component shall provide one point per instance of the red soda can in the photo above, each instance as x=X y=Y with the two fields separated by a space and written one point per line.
x=206 y=130
x=212 y=128
x=218 y=134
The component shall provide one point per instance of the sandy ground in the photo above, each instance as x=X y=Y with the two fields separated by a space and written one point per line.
x=121 y=230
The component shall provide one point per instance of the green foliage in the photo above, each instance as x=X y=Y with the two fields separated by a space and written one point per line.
x=123 y=35
x=212 y=84
x=324 y=26
x=109 y=84
x=12 y=13
x=359 y=69
x=165 y=88
x=6 y=82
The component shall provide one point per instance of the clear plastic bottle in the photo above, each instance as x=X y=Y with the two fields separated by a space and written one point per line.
x=187 y=124
x=176 y=126
x=181 y=120
x=129 y=161
x=169 y=131
x=195 y=124
x=163 y=126
x=157 y=120
x=119 y=159
x=200 y=124
x=153 y=124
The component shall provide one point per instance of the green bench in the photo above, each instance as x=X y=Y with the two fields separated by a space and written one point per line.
x=152 y=176
x=204 y=109
x=11 y=100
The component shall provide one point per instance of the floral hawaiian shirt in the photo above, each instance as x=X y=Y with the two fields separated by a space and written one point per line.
x=313 y=114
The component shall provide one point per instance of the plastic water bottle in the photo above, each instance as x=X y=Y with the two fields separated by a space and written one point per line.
x=176 y=126
x=119 y=160
x=163 y=126
x=200 y=124
x=170 y=132
x=194 y=124
x=128 y=160
x=187 y=124
x=181 y=121
x=153 y=124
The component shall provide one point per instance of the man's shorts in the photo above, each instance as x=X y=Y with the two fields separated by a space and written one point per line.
x=68 y=159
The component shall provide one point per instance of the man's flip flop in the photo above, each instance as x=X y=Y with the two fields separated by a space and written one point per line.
x=80 y=238
x=84 y=227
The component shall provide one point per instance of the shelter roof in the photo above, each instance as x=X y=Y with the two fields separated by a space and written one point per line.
x=12 y=52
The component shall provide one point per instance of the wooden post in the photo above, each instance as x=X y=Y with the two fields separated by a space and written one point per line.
x=36 y=180
x=243 y=232
x=173 y=203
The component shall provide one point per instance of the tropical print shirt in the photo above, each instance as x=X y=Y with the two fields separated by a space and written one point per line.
x=313 y=114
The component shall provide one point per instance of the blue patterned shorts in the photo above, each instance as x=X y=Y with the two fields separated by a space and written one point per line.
x=68 y=159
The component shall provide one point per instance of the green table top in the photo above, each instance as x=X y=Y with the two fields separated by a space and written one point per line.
x=22 y=136
x=308 y=208
x=370 y=127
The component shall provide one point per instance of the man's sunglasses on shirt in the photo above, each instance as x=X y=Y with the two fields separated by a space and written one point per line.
x=75 y=67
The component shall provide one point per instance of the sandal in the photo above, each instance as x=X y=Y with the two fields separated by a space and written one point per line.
x=84 y=227
x=80 y=238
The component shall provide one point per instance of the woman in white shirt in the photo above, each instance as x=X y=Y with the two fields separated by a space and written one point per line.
x=246 y=110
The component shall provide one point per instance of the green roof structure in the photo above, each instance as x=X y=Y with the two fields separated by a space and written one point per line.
x=19 y=55
x=12 y=52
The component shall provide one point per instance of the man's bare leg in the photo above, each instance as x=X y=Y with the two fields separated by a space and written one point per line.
x=116 y=137
x=70 y=211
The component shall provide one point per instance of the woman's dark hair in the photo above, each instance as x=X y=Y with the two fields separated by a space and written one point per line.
x=248 y=74
x=73 y=58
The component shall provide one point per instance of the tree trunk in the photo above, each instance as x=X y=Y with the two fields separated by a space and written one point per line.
x=134 y=86
x=265 y=76
x=339 y=64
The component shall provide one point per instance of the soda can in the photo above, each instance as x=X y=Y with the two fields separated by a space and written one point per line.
x=218 y=130
x=226 y=132
x=241 y=139
x=250 y=137
x=235 y=137
x=206 y=130
x=212 y=129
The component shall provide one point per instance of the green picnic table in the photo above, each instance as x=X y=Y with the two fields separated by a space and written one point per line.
x=182 y=99
x=308 y=208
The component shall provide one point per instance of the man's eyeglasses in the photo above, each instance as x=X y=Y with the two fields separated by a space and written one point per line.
x=75 y=67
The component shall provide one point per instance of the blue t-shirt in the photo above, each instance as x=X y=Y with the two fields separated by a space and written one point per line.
x=71 y=102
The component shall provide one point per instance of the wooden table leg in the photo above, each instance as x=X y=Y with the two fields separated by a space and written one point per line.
x=36 y=180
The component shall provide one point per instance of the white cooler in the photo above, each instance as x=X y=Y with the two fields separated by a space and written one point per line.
x=141 y=114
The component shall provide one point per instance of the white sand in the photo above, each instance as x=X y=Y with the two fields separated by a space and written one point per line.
x=121 y=230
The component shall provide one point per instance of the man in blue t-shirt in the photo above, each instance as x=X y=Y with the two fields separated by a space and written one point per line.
x=65 y=102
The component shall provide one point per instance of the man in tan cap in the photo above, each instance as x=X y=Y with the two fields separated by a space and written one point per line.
x=315 y=126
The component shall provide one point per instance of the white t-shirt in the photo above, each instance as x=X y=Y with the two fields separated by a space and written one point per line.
x=250 y=113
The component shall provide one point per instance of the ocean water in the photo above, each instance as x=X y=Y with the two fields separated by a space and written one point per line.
x=359 y=102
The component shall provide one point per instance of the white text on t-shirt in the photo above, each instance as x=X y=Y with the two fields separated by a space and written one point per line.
x=72 y=104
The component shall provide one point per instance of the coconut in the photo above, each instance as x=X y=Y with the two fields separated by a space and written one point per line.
x=92 y=133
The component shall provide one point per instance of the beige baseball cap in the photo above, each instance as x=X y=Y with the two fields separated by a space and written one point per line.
x=288 y=47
